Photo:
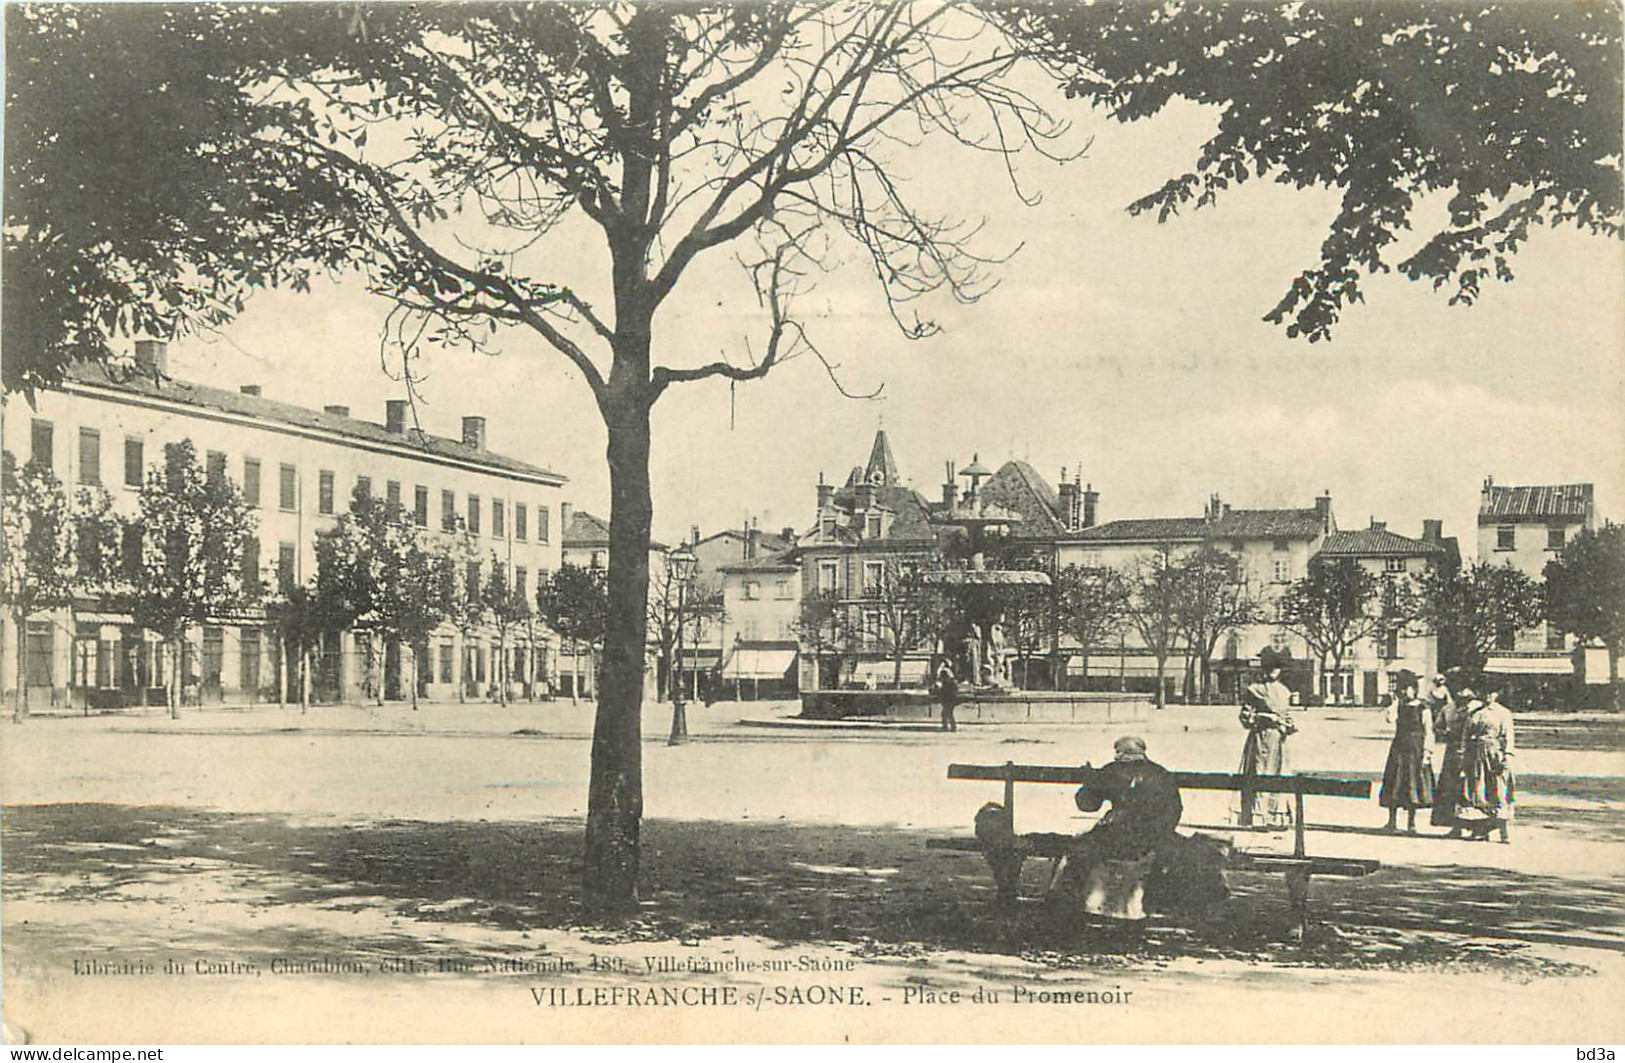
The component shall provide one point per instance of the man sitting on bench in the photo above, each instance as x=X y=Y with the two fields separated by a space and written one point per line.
x=1107 y=867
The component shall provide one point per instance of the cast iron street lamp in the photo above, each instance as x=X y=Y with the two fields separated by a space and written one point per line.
x=680 y=565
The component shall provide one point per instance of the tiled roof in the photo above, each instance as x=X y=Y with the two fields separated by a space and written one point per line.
x=1018 y=486
x=1268 y=524
x=586 y=530
x=1236 y=524
x=772 y=542
x=1146 y=529
x=204 y=397
x=1377 y=542
x=910 y=514
x=881 y=461
x=1570 y=501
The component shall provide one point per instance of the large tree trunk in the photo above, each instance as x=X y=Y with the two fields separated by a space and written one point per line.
x=615 y=792
x=1162 y=686
x=414 y=679
x=304 y=677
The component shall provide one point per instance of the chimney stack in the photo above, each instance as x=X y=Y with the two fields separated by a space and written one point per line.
x=753 y=543
x=1071 y=502
x=152 y=355
x=789 y=535
x=694 y=534
x=1323 y=509
x=474 y=432
x=950 y=493
x=1214 y=508
x=250 y=389
x=337 y=410
x=564 y=519
x=1378 y=525
x=825 y=493
x=1432 y=531
x=1091 y=501
x=395 y=416
x=863 y=496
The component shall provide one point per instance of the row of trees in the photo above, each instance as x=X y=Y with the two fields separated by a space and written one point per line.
x=190 y=556
x=1176 y=602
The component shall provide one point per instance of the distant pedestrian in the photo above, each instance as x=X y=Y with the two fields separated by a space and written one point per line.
x=947 y=690
x=1266 y=713
x=1487 y=783
x=1407 y=781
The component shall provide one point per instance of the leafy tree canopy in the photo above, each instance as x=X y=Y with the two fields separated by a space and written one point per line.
x=1513 y=110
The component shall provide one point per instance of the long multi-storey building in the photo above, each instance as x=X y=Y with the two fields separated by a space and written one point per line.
x=297 y=468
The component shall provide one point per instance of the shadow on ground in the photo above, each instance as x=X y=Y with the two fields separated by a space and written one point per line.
x=169 y=877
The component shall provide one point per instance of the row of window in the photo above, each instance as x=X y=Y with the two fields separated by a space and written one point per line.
x=753 y=590
x=1506 y=537
x=133 y=663
x=750 y=630
x=43 y=445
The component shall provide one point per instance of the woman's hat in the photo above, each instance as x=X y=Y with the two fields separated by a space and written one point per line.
x=1270 y=657
x=1405 y=678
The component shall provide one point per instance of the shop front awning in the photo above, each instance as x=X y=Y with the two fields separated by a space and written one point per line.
x=1530 y=665
x=758 y=664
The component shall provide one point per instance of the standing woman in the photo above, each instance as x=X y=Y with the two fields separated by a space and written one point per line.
x=1453 y=712
x=1266 y=712
x=1407 y=781
x=1487 y=785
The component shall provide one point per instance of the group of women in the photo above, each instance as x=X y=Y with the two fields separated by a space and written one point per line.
x=1473 y=790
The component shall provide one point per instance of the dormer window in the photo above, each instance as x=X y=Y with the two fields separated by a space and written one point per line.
x=872 y=526
x=826 y=528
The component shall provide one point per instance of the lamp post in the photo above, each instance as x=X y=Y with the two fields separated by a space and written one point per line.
x=680 y=566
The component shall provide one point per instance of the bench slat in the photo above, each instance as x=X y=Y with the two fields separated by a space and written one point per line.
x=1310 y=785
x=1347 y=867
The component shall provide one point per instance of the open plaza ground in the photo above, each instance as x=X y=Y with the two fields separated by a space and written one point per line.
x=363 y=872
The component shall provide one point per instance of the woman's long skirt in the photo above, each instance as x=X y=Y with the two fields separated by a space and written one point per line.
x=1407 y=781
x=1487 y=785
x=1264 y=754
x=1448 y=789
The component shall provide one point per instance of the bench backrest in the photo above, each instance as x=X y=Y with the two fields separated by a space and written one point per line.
x=1302 y=785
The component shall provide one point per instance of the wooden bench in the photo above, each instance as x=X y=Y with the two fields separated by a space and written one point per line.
x=1298 y=867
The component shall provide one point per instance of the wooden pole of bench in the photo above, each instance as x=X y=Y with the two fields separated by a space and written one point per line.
x=1297 y=824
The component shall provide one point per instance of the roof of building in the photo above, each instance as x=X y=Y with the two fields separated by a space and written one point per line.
x=882 y=467
x=205 y=397
x=1018 y=486
x=1234 y=524
x=910 y=514
x=771 y=542
x=1269 y=524
x=1144 y=529
x=585 y=530
x=1536 y=502
x=1377 y=542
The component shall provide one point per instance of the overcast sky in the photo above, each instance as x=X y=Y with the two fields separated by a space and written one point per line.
x=1133 y=349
